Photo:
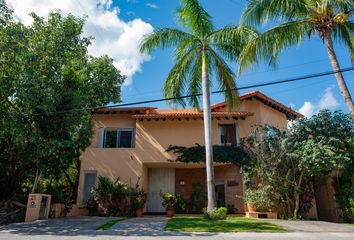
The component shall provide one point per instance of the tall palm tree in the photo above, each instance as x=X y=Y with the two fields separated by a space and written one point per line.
x=197 y=56
x=329 y=19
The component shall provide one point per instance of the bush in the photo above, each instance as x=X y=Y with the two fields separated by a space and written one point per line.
x=216 y=214
x=198 y=198
x=260 y=198
x=181 y=204
x=115 y=198
x=169 y=201
x=138 y=197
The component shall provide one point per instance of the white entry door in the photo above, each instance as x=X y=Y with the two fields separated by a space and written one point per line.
x=161 y=180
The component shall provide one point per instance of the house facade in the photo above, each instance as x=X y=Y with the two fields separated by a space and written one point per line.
x=131 y=143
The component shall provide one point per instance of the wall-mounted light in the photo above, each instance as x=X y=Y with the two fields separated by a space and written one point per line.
x=181 y=182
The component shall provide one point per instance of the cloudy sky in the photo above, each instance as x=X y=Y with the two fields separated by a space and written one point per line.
x=118 y=25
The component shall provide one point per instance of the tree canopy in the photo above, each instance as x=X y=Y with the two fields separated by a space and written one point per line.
x=45 y=69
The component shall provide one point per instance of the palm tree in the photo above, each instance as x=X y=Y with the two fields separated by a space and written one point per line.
x=330 y=19
x=197 y=56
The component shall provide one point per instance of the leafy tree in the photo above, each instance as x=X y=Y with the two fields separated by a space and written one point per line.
x=198 y=54
x=320 y=145
x=344 y=186
x=290 y=160
x=45 y=73
x=298 y=19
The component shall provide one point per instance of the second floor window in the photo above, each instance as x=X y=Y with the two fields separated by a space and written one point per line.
x=228 y=134
x=117 y=138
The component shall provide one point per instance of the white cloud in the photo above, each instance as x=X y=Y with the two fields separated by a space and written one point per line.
x=113 y=36
x=152 y=5
x=327 y=101
x=308 y=109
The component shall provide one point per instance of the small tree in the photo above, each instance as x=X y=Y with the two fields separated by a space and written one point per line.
x=289 y=160
x=320 y=145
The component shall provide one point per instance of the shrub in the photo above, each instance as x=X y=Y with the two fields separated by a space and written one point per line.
x=216 y=214
x=138 y=197
x=169 y=201
x=197 y=199
x=260 y=198
x=115 y=198
x=181 y=204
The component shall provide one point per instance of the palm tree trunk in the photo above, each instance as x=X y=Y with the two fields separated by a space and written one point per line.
x=339 y=76
x=208 y=135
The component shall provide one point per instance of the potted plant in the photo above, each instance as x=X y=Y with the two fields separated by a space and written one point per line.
x=139 y=201
x=259 y=200
x=169 y=202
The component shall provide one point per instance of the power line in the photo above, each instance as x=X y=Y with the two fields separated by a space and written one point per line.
x=155 y=92
x=213 y=92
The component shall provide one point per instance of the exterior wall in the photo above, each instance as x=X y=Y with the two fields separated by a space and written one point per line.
x=152 y=138
x=327 y=206
x=225 y=174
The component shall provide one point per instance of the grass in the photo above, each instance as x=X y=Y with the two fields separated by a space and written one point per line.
x=109 y=224
x=231 y=224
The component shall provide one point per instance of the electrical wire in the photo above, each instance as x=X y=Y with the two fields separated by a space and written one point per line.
x=213 y=92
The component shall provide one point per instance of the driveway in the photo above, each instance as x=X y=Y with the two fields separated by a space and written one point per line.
x=153 y=228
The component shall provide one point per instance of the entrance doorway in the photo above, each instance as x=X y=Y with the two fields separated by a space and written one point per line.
x=160 y=181
x=220 y=194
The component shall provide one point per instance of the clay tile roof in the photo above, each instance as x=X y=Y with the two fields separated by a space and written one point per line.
x=132 y=110
x=290 y=113
x=187 y=113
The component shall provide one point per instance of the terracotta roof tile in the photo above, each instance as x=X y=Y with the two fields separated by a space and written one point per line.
x=189 y=114
x=266 y=100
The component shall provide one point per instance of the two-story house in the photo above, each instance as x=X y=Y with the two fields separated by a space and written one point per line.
x=131 y=143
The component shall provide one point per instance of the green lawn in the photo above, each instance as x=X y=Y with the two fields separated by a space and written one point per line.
x=109 y=224
x=231 y=224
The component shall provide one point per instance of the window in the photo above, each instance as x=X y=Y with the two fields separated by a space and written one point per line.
x=228 y=134
x=117 y=138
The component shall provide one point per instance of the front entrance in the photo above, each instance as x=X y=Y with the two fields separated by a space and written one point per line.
x=160 y=181
x=220 y=194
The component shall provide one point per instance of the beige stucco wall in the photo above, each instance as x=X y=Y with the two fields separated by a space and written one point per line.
x=153 y=137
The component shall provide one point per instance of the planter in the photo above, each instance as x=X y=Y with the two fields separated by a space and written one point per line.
x=170 y=213
x=139 y=213
x=251 y=208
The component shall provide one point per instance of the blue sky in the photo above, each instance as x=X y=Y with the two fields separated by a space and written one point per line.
x=118 y=26
x=310 y=57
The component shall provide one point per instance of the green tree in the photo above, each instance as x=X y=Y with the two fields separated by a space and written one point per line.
x=291 y=160
x=320 y=145
x=198 y=53
x=45 y=71
x=298 y=19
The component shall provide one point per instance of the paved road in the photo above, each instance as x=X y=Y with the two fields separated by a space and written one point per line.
x=153 y=228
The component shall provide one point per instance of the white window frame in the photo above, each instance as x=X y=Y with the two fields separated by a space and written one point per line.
x=102 y=140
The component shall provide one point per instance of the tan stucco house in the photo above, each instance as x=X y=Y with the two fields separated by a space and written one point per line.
x=131 y=143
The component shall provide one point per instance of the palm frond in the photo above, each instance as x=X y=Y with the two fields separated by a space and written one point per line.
x=268 y=45
x=195 y=81
x=225 y=77
x=175 y=83
x=166 y=37
x=185 y=46
x=341 y=5
x=264 y=11
x=193 y=16
x=343 y=34
x=229 y=41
